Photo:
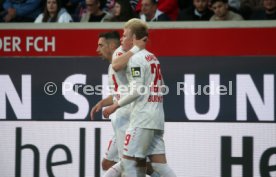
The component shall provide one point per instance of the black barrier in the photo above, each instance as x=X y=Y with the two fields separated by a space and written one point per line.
x=226 y=89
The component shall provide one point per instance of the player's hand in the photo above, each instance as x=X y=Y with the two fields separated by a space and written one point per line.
x=95 y=109
x=110 y=109
x=141 y=43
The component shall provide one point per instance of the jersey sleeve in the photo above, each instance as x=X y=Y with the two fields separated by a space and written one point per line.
x=118 y=52
x=136 y=70
x=136 y=75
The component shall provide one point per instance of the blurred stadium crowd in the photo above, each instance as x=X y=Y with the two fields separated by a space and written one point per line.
x=64 y=11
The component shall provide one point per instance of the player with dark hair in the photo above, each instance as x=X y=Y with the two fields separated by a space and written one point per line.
x=108 y=42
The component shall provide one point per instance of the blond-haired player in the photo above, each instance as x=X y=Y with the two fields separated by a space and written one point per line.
x=144 y=136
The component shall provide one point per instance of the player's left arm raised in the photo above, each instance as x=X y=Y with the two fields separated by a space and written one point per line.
x=121 y=61
x=136 y=72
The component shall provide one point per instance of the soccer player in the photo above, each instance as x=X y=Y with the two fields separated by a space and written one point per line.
x=108 y=42
x=144 y=136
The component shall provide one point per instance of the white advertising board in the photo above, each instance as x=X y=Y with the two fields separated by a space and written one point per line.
x=198 y=149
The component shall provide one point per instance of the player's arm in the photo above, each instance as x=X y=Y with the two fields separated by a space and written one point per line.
x=132 y=95
x=120 y=62
x=104 y=102
x=129 y=98
x=137 y=70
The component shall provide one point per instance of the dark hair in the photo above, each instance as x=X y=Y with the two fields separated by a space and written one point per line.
x=126 y=11
x=46 y=15
x=110 y=35
x=154 y=1
x=214 y=1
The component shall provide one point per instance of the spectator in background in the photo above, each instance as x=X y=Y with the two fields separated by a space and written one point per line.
x=267 y=13
x=122 y=11
x=53 y=12
x=2 y=12
x=199 y=12
x=133 y=3
x=235 y=4
x=221 y=11
x=1 y=6
x=93 y=12
x=20 y=10
x=169 y=7
x=110 y=4
x=185 y=4
x=72 y=5
x=150 y=13
x=248 y=7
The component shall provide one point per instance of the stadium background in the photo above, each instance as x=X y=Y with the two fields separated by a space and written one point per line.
x=217 y=135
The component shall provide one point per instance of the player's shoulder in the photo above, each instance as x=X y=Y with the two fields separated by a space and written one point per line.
x=119 y=49
x=110 y=69
x=144 y=56
x=118 y=52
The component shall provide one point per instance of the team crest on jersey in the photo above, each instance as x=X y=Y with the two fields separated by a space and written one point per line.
x=136 y=72
x=119 y=54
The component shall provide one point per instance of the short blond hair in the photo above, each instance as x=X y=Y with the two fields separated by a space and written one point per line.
x=137 y=27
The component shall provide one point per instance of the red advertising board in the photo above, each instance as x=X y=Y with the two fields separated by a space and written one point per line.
x=257 y=41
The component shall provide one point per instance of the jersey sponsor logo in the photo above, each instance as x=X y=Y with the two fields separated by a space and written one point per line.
x=136 y=72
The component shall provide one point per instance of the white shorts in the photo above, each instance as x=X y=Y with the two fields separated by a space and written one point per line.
x=120 y=124
x=112 y=150
x=140 y=142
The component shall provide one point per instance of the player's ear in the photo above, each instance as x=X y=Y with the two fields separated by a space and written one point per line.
x=145 y=38
x=134 y=37
x=113 y=45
